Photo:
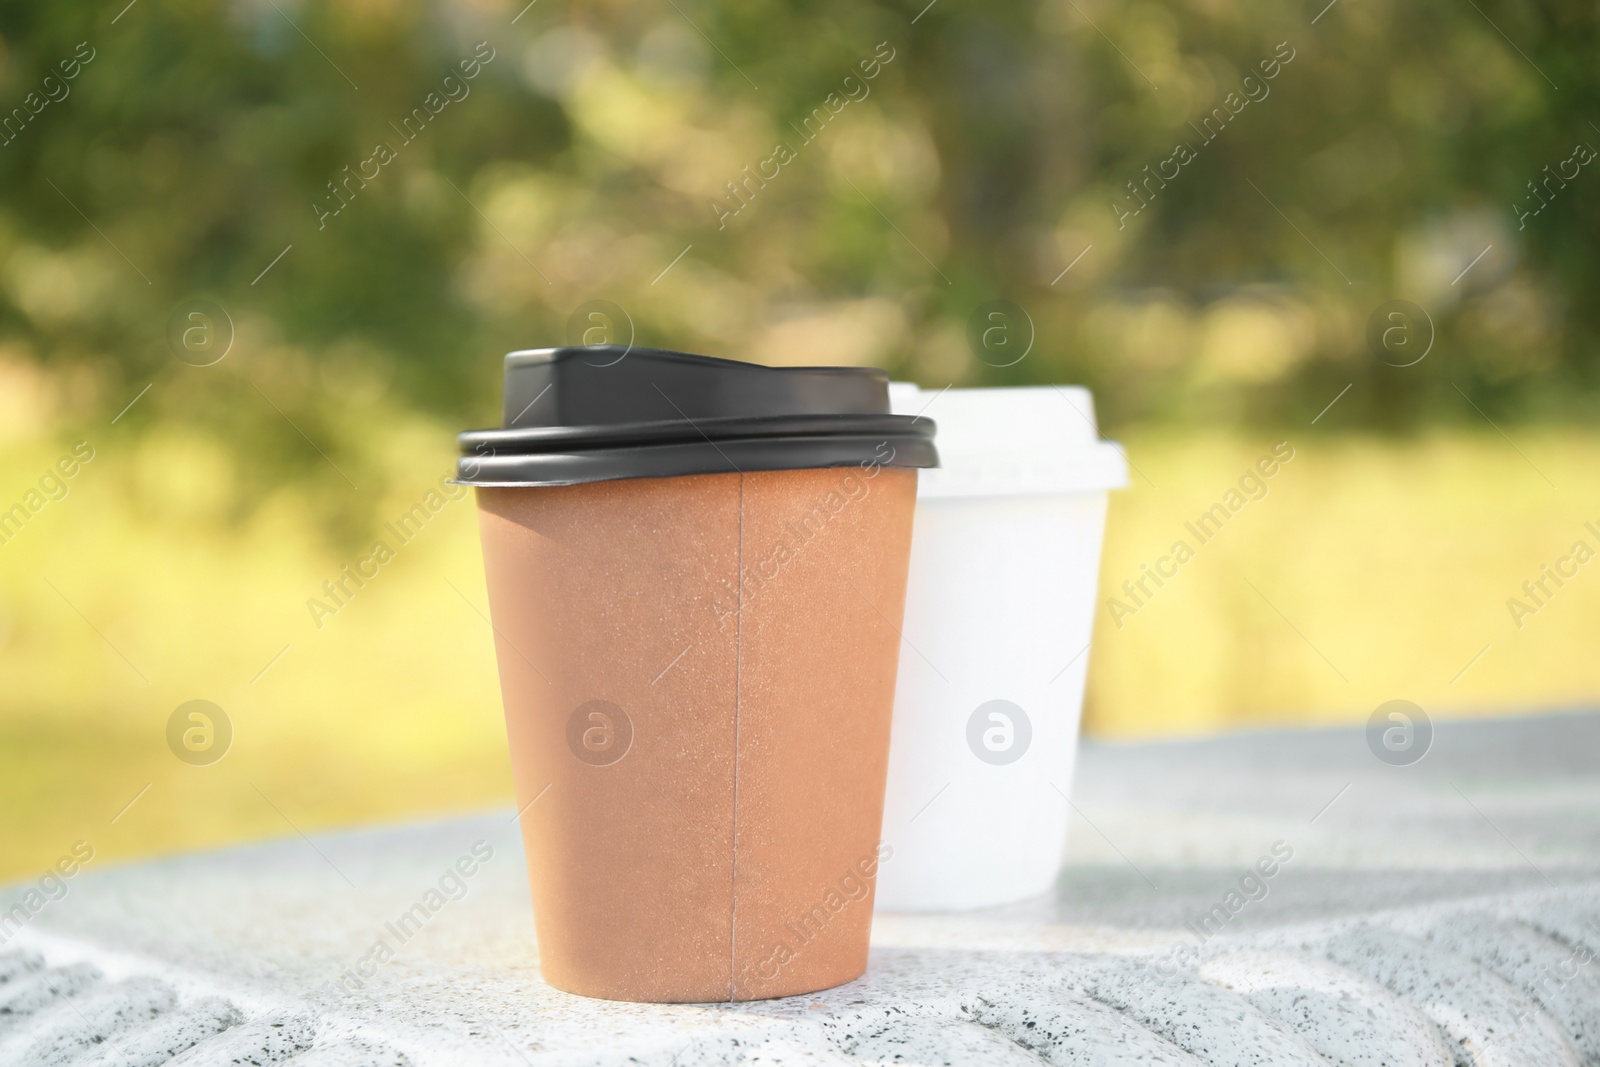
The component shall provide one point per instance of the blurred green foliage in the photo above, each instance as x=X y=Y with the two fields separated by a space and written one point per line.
x=156 y=153
x=992 y=150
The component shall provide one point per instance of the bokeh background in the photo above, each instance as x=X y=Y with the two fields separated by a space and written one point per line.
x=178 y=158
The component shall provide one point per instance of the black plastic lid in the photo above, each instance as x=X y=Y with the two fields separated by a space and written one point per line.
x=589 y=414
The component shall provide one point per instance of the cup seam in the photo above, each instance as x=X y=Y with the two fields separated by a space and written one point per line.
x=738 y=662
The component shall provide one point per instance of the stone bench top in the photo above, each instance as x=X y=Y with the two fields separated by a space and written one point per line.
x=1442 y=913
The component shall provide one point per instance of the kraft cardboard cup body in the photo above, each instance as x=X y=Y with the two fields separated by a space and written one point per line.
x=698 y=672
x=1000 y=605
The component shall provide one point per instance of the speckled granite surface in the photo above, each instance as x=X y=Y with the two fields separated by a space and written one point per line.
x=1442 y=913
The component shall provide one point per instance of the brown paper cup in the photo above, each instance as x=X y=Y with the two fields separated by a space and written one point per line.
x=698 y=675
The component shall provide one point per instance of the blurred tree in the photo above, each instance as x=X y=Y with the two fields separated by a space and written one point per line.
x=1200 y=205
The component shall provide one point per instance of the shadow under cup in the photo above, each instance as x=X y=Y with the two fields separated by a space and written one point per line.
x=698 y=674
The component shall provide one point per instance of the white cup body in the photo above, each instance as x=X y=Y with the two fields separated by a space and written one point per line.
x=999 y=607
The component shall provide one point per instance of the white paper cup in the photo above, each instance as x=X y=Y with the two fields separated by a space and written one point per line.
x=1005 y=555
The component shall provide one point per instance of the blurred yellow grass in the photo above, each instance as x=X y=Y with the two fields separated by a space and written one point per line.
x=1372 y=569
x=389 y=709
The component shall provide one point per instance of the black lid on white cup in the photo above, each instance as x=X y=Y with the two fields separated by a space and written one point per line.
x=602 y=412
